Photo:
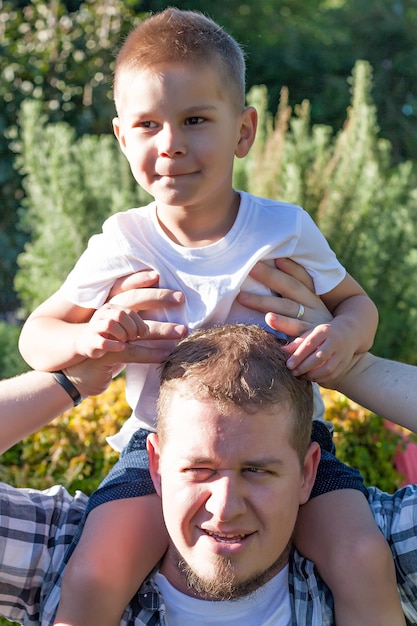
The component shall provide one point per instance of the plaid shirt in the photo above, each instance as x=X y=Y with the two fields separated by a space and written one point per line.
x=36 y=529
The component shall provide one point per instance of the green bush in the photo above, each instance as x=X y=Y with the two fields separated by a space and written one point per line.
x=11 y=363
x=365 y=206
x=71 y=450
x=363 y=441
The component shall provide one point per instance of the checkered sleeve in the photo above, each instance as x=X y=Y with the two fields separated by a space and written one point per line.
x=396 y=516
x=36 y=528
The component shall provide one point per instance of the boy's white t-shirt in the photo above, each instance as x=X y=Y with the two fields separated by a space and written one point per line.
x=210 y=276
x=268 y=606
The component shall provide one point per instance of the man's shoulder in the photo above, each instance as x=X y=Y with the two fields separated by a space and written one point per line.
x=396 y=513
x=312 y=600
x=396 y=516
x=146 y=607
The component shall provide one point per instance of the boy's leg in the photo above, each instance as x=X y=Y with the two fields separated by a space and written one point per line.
x=122 y=541
x=337 y=531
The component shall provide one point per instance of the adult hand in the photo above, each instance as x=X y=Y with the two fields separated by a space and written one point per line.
x=93 y=376
x=296 y=289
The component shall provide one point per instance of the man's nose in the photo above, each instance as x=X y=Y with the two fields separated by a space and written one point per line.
x=227 y=500
x=171 y=141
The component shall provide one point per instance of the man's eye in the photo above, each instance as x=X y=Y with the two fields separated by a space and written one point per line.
x=199 y=473
x=194 y=120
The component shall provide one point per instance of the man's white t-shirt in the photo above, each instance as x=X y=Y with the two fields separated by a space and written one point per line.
x=210 y=276
x=268 y=606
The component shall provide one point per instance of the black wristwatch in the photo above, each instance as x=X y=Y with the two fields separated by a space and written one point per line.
x=69 y=387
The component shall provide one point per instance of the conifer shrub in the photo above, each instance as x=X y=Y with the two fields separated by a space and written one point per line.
x=11 y=363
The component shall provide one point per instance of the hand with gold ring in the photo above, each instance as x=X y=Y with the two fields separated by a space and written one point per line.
x=298 y=309
x=301 y=311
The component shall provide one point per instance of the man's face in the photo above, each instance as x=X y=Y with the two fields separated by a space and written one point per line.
x=231 y=487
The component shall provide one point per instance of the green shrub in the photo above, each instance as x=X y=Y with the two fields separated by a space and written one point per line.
x=363 y=441
x=11 y=363
x=364 y=205
x=71 y=450
x=71 y=186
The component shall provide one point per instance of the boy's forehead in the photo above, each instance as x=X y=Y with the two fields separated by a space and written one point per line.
x=207 y=73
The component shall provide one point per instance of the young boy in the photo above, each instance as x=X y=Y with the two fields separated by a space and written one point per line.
x=181 y=120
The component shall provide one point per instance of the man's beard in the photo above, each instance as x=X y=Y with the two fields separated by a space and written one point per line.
x=223 y=584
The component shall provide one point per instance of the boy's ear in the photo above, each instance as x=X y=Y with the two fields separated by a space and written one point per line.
x=152 y=445
x=247 y=132
x=311 y=463
x=118 y=133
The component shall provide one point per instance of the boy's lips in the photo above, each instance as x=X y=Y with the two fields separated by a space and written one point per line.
x=175 y=174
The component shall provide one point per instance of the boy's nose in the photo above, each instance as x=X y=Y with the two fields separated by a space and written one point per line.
x=171 y=142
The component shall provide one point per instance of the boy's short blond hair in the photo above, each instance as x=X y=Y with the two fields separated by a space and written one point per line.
x=176 y=36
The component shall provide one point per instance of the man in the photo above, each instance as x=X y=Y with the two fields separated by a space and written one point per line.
x=232 y=463
x=30 y=401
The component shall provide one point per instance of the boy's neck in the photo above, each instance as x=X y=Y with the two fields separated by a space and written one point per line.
x=194 y=228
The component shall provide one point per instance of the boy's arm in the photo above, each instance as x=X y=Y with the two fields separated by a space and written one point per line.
x=354 y=313
x=59 y=334
x=326 y=350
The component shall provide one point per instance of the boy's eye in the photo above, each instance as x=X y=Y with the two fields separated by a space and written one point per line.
x=147 y=124
x=256 y=470
x=194 y=120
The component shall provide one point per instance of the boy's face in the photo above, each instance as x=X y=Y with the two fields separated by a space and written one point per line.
x=180 y=131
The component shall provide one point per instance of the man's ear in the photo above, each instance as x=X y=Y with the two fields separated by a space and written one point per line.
x=311 y=463
x=119 y=134
x=152 y=445
x=248 y=126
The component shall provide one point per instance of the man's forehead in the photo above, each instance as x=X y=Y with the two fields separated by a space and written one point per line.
x=198 y=423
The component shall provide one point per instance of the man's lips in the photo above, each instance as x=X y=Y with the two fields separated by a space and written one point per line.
x=227 y=537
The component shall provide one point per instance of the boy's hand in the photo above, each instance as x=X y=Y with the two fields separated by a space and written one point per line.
x=109 y=329
x=321 y=354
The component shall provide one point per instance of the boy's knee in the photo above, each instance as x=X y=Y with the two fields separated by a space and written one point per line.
x=86 y=574
x=369 y=553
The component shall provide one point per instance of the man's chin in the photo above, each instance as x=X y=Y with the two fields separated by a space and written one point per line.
x=223 y=583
